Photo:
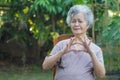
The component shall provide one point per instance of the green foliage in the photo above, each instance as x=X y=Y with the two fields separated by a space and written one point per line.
x=112 y=31
x=113 y=4
x=48 y=10
x=50 y=6
x=112 y=62
x=80 y=1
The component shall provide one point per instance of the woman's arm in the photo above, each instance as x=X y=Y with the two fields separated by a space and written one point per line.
x=99 y=68
x=50 y=61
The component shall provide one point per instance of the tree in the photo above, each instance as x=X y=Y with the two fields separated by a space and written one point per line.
x=32 y=24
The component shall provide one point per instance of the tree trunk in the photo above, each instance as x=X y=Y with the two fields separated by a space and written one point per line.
x=53 y=23
x=93 y=33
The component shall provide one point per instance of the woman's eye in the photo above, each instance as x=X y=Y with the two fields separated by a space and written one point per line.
x=73 y=21
x=80 y=21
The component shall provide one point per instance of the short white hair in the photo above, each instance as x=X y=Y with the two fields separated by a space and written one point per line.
x=80 y=9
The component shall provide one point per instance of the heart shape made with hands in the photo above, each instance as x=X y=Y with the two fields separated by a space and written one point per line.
x=78 y=46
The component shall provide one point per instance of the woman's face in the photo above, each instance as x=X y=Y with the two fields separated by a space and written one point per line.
x=78 y=24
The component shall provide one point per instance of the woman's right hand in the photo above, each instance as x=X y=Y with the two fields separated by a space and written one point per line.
x=67 y=48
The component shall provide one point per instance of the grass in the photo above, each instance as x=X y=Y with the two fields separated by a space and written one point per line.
x=32 y=72
x=24 y=73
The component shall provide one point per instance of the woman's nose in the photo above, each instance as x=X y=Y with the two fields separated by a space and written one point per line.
x=77 y=23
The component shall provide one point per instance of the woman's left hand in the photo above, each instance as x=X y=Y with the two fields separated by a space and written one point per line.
x=86 y=43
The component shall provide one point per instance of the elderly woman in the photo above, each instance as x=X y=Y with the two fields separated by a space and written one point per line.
x=77 y=58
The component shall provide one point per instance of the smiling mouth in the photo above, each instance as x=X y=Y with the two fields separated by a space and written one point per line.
x=77 y=28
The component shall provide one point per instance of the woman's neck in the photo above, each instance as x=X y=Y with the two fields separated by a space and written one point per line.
x=81 y=35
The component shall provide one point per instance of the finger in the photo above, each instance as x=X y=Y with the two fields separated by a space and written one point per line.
x=71 y=41
x=68 y=45
x=86 y=39
x=75 y=37
x=66 y=49
x=81 y=39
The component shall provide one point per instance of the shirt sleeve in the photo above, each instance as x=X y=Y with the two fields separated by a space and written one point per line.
x=56 y=48
x=100 y=56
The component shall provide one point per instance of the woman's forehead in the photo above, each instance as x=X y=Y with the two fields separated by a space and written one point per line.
x=79 y=16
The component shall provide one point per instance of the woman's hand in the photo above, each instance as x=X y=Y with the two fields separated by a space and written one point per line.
x=85 y=42
x=67 y=48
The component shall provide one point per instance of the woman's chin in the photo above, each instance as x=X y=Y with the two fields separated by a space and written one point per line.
x=79 y=33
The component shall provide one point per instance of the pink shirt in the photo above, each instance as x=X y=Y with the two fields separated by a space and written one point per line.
x=76 y=65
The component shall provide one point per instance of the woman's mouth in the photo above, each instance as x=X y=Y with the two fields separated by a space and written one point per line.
x=77 y=28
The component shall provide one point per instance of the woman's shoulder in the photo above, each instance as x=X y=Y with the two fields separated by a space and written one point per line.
x=95 y=46
x=63 y=42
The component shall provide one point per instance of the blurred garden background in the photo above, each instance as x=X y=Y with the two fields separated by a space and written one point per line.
x=28 y=27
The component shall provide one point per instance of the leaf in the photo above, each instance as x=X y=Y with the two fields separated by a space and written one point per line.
x=59 y=9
